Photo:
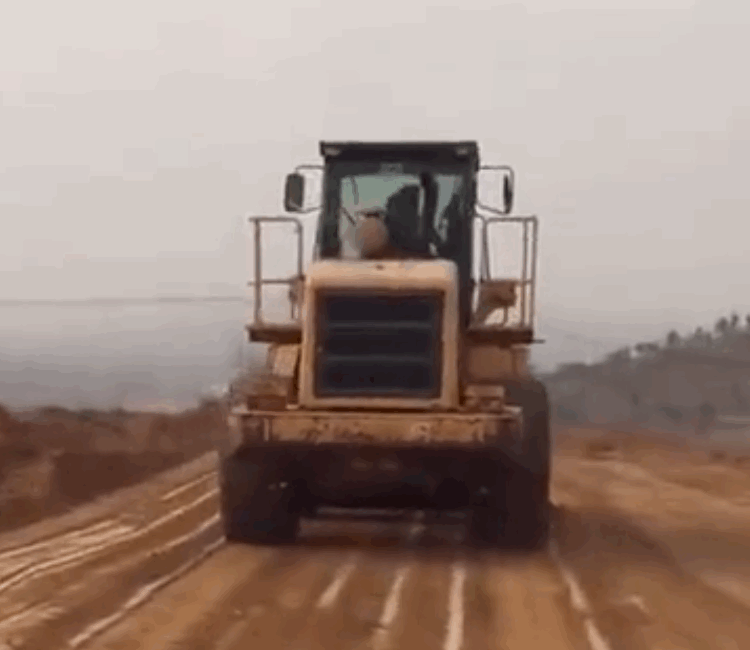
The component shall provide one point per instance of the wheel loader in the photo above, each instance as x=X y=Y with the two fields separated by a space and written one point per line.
x=390 y=386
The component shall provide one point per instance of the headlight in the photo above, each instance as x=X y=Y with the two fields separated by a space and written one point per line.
x=488 y=399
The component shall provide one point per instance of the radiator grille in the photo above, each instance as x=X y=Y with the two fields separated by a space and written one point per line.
x=379 y=345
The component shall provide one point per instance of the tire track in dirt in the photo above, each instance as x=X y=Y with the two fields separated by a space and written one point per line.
x=608 y=583
x=641 y=593
x=307 y=597
x=369 y=619
x=81 y=560
x=47 y=583
x=97 y=592
x=107 y=507
x=190 y=606
x=374 y=599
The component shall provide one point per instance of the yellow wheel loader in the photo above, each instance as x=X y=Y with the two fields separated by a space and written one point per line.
x=390 y=386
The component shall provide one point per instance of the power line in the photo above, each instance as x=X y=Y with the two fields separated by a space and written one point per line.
x=119 y=301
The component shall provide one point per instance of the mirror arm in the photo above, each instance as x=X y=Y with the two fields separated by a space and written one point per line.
x=319 y=168
x=500 y=213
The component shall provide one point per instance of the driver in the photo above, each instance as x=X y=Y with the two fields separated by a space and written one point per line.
x=402 y=220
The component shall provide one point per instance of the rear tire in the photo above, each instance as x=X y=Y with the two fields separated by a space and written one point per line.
x=516 y=513
x=488 y=524
x=255 y=508
x=528 y=487
x=527 y=510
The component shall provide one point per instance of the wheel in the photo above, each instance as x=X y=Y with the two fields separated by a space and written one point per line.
x=527 y=523
x=515 y=515
x=488 y=524
x=528 y=483
x=255 y=507
x=515 y=512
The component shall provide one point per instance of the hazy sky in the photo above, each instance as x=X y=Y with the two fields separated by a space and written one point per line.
x=144 y=128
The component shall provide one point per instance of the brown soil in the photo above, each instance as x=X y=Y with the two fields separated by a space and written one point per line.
x=694 y=463
x=90 y=453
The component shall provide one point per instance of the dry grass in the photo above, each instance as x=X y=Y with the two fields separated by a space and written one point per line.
x=714 y=470
x=57 y=459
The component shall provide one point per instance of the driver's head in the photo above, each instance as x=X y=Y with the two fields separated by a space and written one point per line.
x=372 y=237
x=404 y=204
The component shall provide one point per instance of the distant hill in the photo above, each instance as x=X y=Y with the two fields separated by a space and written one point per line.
x=688 y=381
x=81 y=357
x=177 y=354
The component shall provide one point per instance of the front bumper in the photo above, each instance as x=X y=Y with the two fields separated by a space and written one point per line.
x=501 y=430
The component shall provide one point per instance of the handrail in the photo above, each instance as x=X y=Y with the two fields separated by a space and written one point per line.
x=258 y=280
x=483 y=260
x=527 y=281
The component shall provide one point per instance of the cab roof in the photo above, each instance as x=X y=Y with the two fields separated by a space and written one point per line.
x=438 y=152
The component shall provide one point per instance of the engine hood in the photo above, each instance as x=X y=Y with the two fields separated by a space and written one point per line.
x=438 y=275
x=359 y=278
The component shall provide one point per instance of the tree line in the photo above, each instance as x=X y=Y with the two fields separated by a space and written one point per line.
x=729 y=335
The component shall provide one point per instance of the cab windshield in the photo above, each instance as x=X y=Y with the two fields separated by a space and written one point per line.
x=421 y=206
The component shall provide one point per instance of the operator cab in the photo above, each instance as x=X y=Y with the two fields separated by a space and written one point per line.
x=422 y=196
x=421 y=193
x=414 y=201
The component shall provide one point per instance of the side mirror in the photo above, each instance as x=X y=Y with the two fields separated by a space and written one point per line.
x=508 y=194
x=294 y=193
x=506 y=190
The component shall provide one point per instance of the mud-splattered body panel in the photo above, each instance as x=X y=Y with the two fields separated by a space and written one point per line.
x=259 y=427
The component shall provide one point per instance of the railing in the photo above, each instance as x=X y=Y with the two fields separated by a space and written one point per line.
x=258 y=281
x=526 y=281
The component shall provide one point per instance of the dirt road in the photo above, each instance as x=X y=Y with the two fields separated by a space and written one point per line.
x=637 y=561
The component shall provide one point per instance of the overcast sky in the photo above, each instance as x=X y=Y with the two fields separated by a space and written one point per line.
x=145 y=128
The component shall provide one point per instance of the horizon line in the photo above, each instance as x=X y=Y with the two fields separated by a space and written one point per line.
x=110 y=301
